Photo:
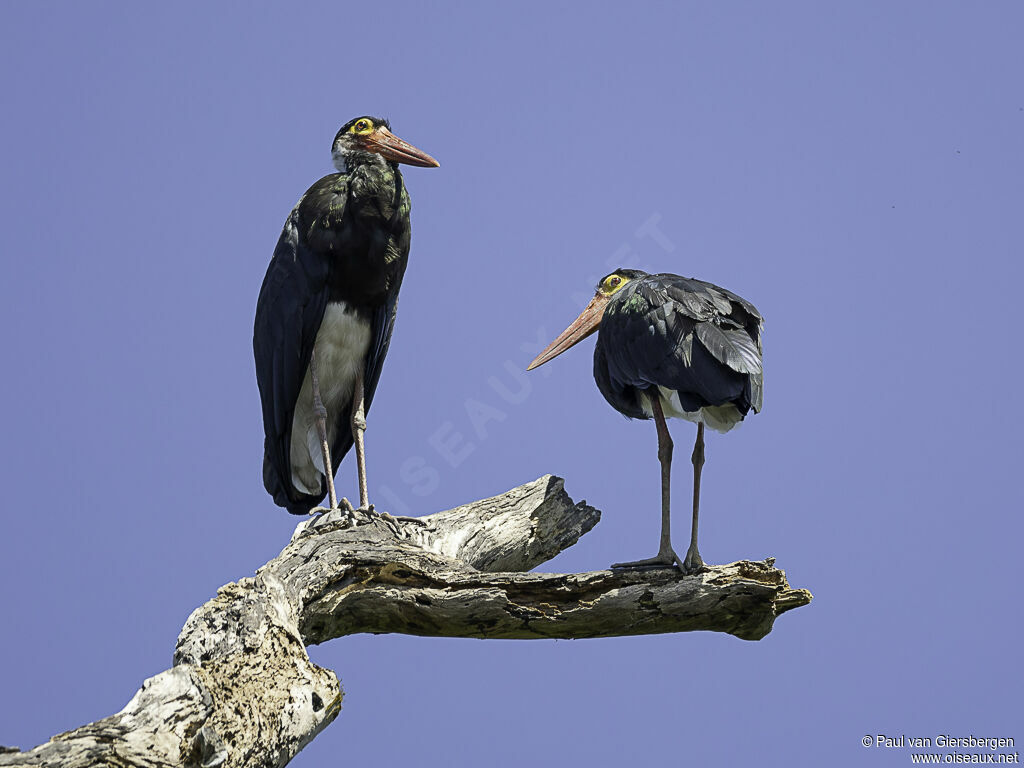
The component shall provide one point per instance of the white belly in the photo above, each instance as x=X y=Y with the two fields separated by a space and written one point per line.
x=341 y=346
x=720 y=418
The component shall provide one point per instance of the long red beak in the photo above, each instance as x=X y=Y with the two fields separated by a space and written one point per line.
x=390 y=147
x=584 y=325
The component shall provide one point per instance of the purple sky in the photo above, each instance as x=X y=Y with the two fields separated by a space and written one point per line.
x=856 y=170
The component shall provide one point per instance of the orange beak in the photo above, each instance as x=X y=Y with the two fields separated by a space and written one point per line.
x=584 y=325
x=390 y=147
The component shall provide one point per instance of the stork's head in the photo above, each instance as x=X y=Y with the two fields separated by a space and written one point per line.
x=366 y=139
x=590 y=318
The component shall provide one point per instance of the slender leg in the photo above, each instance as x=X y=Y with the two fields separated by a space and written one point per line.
x=358 y=427
x=321 y=427
x=693 y=561
x=666 y=555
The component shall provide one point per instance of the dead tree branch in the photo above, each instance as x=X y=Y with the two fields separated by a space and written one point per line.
x=243 y=692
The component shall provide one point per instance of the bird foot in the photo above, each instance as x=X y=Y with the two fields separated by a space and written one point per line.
x=692 y=563
x=344 y=516
x=404 y=519
x=325 y=510
x=393 y=519
x=658 y=561
x=363 y=513
x=689 y=565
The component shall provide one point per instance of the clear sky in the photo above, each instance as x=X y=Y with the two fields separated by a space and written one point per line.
x=854 y=169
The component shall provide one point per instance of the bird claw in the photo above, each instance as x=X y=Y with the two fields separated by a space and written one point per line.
x=349 y=512
x=368 y=513
x=692 y=563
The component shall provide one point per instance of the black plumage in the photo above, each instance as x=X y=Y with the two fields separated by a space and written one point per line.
x=346 y=243
x=671 y=346
x=683 y=334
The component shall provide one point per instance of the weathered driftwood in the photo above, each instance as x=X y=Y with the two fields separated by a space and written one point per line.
x=243 y=692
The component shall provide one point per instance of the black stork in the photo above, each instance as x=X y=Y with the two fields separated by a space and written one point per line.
x=671 y=346
x=326 y=312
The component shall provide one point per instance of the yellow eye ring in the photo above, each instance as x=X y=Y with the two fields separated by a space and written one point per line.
x=612 y=283
x=362 y=126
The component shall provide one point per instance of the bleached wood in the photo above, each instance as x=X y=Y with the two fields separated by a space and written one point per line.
x=243 y=692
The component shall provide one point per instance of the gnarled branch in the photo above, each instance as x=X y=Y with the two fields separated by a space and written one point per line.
x=243 y=692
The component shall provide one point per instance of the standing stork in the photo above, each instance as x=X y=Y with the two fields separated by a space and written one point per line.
x=326 y=312
x=671 y=346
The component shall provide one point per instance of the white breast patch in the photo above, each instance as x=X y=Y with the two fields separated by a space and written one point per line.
x=720 y=418
x=341 y=346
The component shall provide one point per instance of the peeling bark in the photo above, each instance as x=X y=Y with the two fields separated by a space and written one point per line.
x=243 y=692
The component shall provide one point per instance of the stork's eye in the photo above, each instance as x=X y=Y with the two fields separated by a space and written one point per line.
x=612 y=283
x=362 y=126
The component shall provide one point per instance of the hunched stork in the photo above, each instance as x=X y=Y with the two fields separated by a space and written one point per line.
x=671 y=346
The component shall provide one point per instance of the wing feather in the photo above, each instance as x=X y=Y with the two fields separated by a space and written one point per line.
x=647 y=339
x=733 y=347
x=289 y=311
